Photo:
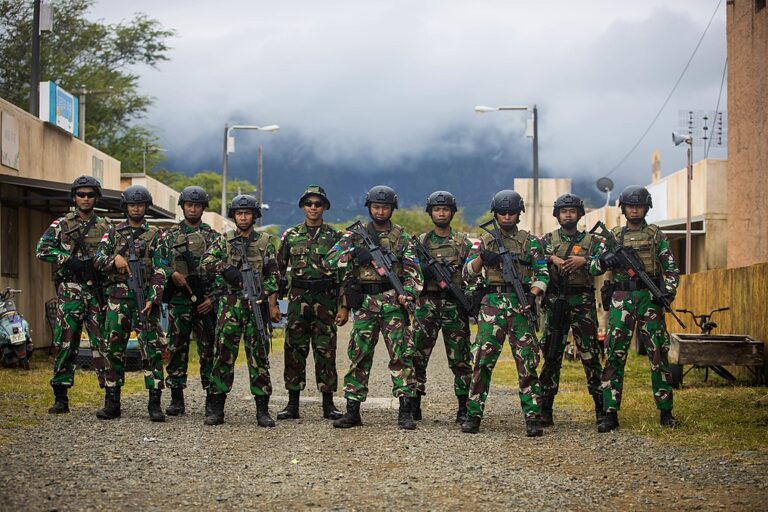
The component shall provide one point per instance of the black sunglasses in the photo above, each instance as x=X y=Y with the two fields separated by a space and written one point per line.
x=89 y=195
x=507 y=212
x=318 y=204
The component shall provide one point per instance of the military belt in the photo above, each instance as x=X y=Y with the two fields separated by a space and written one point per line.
x=505 y=288
x=375 y=288
x=632 y=285
x=314 y=285
x=437 y=294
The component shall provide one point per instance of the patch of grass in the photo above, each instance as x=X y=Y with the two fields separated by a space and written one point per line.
x=714 y=415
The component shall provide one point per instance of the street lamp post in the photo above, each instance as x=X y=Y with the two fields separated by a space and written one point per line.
x=82 y=92
x=481 y=109
x=147 y=149
x=688 y=140
x=229 y=147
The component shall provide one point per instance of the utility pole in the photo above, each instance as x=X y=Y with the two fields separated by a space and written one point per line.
x=34 y=76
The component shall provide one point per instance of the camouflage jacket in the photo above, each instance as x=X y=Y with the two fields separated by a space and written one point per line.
x=200 y=238
x=262 y=255
x=340 y=257
x=155 y=259
x=301 y=253
x=533 y=269
x=59 y=242
x=587 y=245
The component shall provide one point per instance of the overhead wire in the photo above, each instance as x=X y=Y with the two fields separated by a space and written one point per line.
x=717 y=108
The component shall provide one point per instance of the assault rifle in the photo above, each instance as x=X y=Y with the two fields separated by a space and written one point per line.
x=558 y=317
x=383 y=262
x=629 y=261
x=252 y=292
x=88 y=276
x=442 y=272
x=196 y=286
x=136 y=275
x=510 y=270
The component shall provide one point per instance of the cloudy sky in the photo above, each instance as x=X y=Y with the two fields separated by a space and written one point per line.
x=384 y=81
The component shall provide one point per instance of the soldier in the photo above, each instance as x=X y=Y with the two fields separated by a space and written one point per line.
x=438 y=310
x=70 y=244
x=502 y=315
x=235 y=318
x=123 y=309
x=315 y=307
x=632 y=303
x=377 y=308
x=186 y=242
x=573 y=258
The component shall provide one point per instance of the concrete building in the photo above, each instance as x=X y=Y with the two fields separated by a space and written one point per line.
x=549 y=190
x=747 y=39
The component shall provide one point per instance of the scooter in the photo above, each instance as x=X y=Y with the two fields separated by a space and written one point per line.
x=15 y=343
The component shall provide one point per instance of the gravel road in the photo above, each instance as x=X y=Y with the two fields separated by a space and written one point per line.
x=75 y=462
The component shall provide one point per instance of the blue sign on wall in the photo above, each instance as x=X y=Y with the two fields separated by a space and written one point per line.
x=59 y=107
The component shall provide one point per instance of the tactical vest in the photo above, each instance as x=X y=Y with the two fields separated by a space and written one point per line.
x=145 y=244
x=197 y=247
x=255 y=252
x=520 y=244
x=645 y=244
x=91 y=240
x=450 y=250
x=581 y=277
x=394 y=244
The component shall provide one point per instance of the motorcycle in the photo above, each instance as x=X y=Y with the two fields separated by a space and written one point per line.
x=15 y=343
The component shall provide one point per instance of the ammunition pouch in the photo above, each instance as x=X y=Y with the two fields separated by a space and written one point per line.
x=606 y=294
x=633 y=285
x=314 y=285
x=354 y=294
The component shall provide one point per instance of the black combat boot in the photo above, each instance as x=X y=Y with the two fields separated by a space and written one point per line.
x=533 y=427
x=546 y=411
x=154 y=407
x=176 y=408
x=461 y=413
x=610 y=422
x=667 y=420
x=416 y=402
x=599 y=412
x=291 y=411
x=330 y=412
x=472 y=425
x=262 y=411
x=111 y=408
x=61 y=405
x=215 y=403
x=208 y=396
x=405 y=415
x=352 y=417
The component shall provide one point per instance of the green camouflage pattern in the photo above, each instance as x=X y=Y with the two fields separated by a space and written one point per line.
x=501 y=317
x=311 y=315
x=77 y=305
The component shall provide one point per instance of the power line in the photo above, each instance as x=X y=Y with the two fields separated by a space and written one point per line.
x=719 y=96
x=669 y=96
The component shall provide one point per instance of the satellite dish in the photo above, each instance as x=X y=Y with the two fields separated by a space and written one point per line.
x=605 y=184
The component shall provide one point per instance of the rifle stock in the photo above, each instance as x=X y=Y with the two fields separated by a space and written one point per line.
x=252 y=292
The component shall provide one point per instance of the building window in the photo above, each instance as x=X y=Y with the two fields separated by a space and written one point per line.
x=98 y=169
x=9 y=227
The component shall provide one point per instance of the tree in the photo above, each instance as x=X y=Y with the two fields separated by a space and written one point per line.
x=91 y=54
x=210 y=181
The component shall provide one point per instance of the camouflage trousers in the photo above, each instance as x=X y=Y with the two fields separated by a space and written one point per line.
x=311 y=321
x=379 y=313
x=77 y=307
x=182 y=320
x=122 y=314
x=235 y=321
x=500 y=317
x=435 y=314
x=582 y=318
x=628 y=309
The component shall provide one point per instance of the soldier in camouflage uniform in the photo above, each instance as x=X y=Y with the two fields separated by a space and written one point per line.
x=235 y=318
x=573 y=258
x=377 y=308
x=70 y=244
x=314 y=306
x=438 y=310
x=195 y=236
x=631 y=303
x=123 y=312
x=501 y=314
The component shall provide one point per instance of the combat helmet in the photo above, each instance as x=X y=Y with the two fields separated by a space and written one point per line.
x=440 y=198
x=635 y=195
x=194 y=194
x=507 y=200
x=85 y=181
x=315 y=190
x=381 y=194
x=135 y=194
x=244 y=201
x=568 y=201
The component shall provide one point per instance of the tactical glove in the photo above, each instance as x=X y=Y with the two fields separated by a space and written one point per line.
x=609 y=260
x=362 y=256
x=233 y=276
x=490 y=258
